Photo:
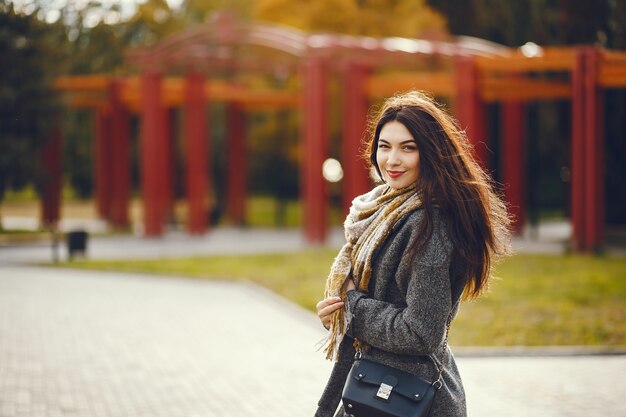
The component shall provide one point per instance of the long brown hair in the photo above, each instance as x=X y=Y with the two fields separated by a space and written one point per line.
x=451 y=180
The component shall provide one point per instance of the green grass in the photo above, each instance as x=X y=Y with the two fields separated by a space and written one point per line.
x=21 y=232
x=262 y=211
x=549 y=300
x=19 y=236
x=29 y=193
x=538 y=300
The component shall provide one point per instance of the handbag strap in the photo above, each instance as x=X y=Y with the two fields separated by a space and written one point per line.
x=439 y=381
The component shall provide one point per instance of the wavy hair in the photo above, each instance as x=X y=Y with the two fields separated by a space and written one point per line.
x=451 y=180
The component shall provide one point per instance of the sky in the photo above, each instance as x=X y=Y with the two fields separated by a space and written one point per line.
x=50 y=9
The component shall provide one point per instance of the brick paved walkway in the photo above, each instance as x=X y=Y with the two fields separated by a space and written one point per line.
x=78 y=343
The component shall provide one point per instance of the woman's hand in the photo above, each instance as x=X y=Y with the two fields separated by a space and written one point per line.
x=326 y=308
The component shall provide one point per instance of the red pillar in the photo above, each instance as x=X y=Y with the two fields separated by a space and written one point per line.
x=594 y=137
x=153 y=154
x=314 y=149
x=119 y=159
x=578 y=154
x=587 y=153
x=196 y=140
x=597 y=132
x=236 y=193
x=51 y=179
x=167 y=173
x=356 y=180
x=513 y=157
x=469 y=106
x=103 y=161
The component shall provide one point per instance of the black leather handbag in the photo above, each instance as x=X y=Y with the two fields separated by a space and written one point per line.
x=373 y=389
x=376 y=390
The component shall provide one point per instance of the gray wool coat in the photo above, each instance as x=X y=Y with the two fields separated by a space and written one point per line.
x=403 y=317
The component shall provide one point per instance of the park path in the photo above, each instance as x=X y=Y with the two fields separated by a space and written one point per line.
x=550 y=238
x=103 y=344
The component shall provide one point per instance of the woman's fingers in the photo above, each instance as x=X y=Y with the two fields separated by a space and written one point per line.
x=326 y=307
x=326 y=302
x=327 y=311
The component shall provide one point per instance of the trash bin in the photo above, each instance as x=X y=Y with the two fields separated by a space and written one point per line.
x=77 y=243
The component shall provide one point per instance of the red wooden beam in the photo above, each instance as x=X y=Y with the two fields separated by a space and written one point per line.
x=469 y=106
x=314 y=149
x=594 y=148
x=103 y=161
x=599 y=240
x=119 y=162
x=236 y=192
x=578 y=155
x=153 y=148
x=168 y=150
x=196 y=141
x=587 y=154
x=513 y=158
x=356 y=179
x=51 y=156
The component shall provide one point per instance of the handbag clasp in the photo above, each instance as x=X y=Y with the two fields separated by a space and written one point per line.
x=384 y=391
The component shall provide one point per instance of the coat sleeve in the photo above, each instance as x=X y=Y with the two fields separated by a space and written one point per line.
x=417 y=324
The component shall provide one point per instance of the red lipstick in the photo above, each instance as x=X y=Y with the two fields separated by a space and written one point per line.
x=395 y=174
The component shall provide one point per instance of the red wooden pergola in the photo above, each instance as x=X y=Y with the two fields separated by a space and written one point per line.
x=194 y=67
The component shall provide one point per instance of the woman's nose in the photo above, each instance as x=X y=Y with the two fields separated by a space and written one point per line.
x=393 y=158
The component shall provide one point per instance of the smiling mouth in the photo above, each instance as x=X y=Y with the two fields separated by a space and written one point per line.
x=395 y=174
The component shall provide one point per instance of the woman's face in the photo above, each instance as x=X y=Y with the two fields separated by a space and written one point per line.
x=397 y=155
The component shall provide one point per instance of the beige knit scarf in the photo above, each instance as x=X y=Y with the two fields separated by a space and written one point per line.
x=371 y=219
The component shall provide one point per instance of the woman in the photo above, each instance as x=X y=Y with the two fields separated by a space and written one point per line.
x=416 y=245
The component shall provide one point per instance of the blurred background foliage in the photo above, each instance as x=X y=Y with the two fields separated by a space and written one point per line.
x=41 y=39
x=405 y=18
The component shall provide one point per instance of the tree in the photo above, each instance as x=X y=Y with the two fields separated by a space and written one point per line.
x=30 y=50
x=406 y=18
x=198 y=11
x=86 y=38
x=545 y=22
